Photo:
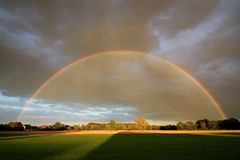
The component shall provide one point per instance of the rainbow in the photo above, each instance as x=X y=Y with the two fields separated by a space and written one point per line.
x=124 y=52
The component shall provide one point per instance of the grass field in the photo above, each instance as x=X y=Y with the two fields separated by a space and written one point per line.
x=119 y=146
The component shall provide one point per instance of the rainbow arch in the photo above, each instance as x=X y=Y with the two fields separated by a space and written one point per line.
x=125 y=52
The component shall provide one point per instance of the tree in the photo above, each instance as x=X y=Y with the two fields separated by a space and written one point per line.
x=203 y=124
x=131 y=126
x=181 y=126
x=213 y=125
x=76 y=127
x=230 y=123
x=27 y=127
x=141 y=123
x=168 y=127
x=121 y=126
x=59 y=126
x=3 y=127
x=112 y=124
x=83 y=127
x=95 y=126
x=155 y=127
x=15 y=126
x=189 y=125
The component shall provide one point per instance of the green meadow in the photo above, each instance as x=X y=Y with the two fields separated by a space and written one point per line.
x=119 y=147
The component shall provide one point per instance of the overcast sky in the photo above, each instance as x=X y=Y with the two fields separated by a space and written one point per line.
x=38 y=38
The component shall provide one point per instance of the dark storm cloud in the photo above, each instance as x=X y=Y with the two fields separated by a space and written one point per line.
x=44 y=36
x=208 y=48
x=39 y=37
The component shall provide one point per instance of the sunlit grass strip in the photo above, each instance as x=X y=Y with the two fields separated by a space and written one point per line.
x=81 y=150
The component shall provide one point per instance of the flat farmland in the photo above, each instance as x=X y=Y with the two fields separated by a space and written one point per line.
x=119 y=145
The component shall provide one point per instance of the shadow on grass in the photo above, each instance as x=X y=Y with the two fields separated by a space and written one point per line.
x=162 y=146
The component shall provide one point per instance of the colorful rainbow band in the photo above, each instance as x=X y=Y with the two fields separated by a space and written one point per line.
x=66 y=67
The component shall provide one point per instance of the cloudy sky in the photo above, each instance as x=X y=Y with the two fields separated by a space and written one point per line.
x=38 y=38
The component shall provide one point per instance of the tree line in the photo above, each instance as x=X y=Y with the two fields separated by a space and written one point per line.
x=139 y=124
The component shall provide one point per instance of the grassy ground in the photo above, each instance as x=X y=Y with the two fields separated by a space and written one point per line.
x=118 y=146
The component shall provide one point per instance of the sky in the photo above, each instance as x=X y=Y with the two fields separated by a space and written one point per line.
x=38 y=38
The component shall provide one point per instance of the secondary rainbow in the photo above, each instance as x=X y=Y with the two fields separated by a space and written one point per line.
x=125 y=52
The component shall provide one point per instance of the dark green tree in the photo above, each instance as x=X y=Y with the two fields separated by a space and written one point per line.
x=203 y=124
x=15 y=126
x=230 y=123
